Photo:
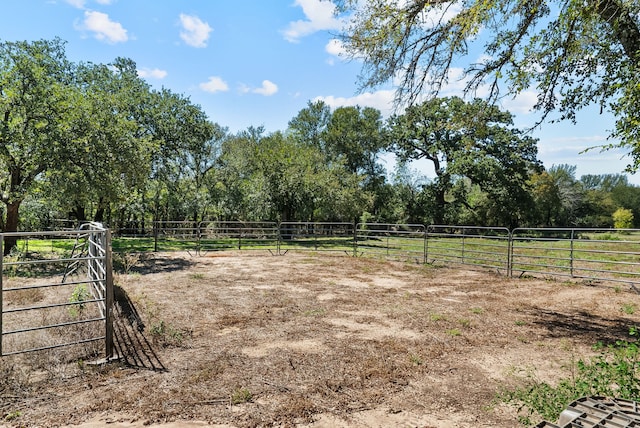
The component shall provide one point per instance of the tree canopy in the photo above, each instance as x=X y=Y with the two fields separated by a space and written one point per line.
x=473 y=141
x=573 y=53
x=94 y=141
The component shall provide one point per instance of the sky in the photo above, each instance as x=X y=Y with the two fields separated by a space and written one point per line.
x=258 y=63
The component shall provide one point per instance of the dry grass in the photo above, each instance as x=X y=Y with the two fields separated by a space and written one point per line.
x=256 y=340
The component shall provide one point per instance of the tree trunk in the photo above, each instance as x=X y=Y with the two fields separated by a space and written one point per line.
x=99 y=217
x=79 y=213
x=11 y=225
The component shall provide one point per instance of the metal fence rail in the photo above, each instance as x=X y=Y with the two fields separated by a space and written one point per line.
x=468 y=245
x=56 y=290
x=237 y=235
x=314 y=236
x=591 y=254
x=398 y=241
x=594 y=254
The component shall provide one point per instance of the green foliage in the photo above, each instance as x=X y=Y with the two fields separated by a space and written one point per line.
x=622 y=218
x=241 y=395
x=166 y=334
x=614 y=372
x=574 y=53
x=274 y=177
x=79 y=296
x=468 y=144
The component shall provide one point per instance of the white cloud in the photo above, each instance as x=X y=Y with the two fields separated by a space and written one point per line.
x=194 y=32
x=381 y=100
x=335 y=47
x=214 y=84
x=154 y=73
x=105 y=2
x=319 y=16
x=79 y=4
x=522 y=103
x=103 y=27
x=267 y=89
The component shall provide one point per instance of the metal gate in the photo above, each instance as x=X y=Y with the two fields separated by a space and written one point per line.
x=56 y=290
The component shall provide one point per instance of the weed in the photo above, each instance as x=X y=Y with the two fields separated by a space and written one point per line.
x=477 y=311
x=79 y=296
x=196 y=276
x=166 y=335
x=628 y=308
x=454 y=332
x=416 y=360
x=614 y=372
x=436 y=317
x=520 y=323
x=314 y=312
x=124 y=262
x=12 y=415
x=464 y=322
x=241 y=395
x=617 y=289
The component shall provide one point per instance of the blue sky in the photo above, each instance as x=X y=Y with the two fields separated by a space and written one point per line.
x=258 y=62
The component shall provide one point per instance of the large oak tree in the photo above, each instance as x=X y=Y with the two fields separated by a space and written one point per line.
x=473 y=141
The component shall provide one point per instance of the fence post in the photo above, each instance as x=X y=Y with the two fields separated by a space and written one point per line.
x=425 y=250
x=108 y=297
x=510 y=254
x=155 y=236
x=571 y=253
x=355 y=239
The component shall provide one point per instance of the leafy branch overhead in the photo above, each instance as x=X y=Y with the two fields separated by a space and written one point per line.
x=572 y=53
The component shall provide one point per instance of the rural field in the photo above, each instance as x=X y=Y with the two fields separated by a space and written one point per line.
x=231 y=339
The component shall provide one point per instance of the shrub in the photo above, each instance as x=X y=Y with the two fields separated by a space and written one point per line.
x=623 y=218
x=614 y=372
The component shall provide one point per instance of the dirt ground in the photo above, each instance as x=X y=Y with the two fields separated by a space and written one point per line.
x=319 y=340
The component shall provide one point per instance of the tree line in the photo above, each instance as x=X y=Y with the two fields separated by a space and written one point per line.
x=84 y=141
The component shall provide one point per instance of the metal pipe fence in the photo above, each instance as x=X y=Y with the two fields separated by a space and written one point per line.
x=591 y=254
x=237 y=235
x=486 y=247
x=315 y=236
x=56 y=290
x=579 y=253
x=397 y=241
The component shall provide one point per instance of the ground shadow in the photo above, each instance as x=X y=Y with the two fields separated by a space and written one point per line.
x=131 y=344
x=582 y=325
x=146 y=263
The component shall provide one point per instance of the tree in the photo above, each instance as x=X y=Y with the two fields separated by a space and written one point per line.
x=187 y=147
x=357 y=136
x=275 y=177
x=574 y=53
x=623 y=218
x=310 y=124
x=473 y=141
x=37 y=99
x=111 y=156
x=558 y=196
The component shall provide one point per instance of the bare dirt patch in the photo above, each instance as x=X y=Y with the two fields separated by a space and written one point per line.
x=314 y=340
